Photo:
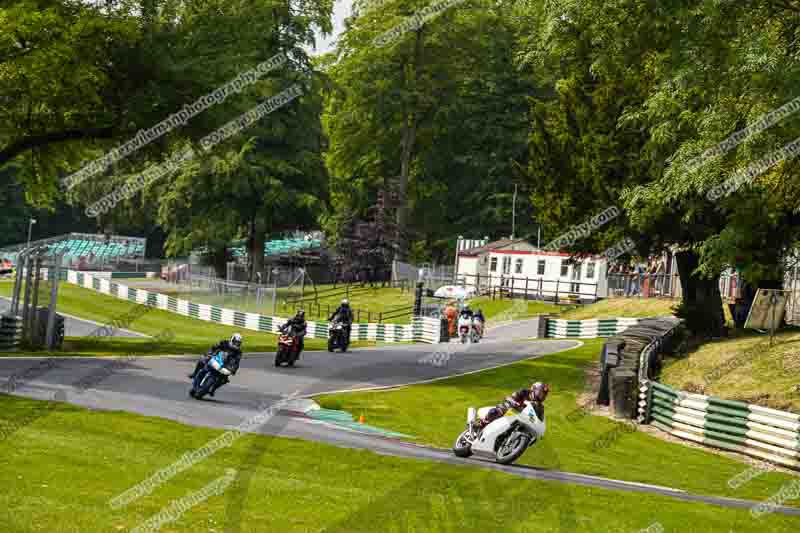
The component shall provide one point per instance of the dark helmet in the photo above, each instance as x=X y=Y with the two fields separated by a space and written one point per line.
x=301 y=314
x=539 y=391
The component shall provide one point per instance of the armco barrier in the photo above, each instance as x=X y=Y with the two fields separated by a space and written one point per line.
x=760 y=432
x=588 y=329
x=421 y=329
x=10 y=333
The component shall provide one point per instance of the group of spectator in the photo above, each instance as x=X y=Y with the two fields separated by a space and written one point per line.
x=641 y=279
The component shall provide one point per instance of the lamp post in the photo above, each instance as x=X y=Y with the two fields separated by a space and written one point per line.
x=31 y=222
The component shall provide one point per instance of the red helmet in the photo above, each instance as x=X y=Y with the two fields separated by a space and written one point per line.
x=539 y=391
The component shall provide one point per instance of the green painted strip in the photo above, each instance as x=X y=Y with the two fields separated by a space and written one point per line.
x=216 y=314
x=132 y=294
x=658 y=386
x=80 y=279
x=723 y=429
x=96 y=284
x=152 y=299
x=722 y=444
x=664 y=405
x=172 y=303
x=239 y=319
x=738 y=413
x=733 y=404
x=194 y=310
x=113 y=289
x=658 y=417
x=264 y=323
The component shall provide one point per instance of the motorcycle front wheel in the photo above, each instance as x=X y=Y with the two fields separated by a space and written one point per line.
x=511 y=449
x=331 y=346
x=279 y=357
x=462 y=447
x=204 y=387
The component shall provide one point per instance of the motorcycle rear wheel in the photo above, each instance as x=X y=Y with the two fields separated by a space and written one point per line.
x=462 y=447
x=512 y=448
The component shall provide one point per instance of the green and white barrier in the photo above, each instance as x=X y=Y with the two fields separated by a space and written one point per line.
x=10 y=333
x=588 y=329
x=421 y=329
x=760 y=432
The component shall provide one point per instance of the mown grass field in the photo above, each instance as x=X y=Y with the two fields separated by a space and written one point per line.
x=60 y=471
x=191 y=336
x=419 y=410
x=369 y=300
x=622 y=308
x=504 y=310
x=743 y=367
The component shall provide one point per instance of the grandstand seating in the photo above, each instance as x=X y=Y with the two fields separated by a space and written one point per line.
x=74 y=247
x=282 y=246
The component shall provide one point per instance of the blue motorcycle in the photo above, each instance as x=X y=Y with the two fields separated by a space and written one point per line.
x=205 y=380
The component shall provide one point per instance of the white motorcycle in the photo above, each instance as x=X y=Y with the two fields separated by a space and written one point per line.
x=505 y=439
x=466 y=330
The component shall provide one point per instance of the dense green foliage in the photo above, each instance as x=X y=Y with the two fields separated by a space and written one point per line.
x=581 y=104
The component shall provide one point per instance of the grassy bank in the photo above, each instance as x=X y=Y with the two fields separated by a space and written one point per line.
x=418 y=410
x=743 y=367
x=61 y=470
x=190 y=335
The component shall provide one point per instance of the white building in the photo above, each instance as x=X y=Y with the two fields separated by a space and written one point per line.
x=521 y=268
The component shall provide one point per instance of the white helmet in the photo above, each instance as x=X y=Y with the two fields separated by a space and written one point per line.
x=236 y=340
x=345 y=302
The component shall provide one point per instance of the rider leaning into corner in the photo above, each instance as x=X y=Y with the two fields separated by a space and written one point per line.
x=233 y=350
x=536 y=394
x=298 y=324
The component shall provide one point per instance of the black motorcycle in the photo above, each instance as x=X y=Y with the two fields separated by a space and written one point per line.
x=337 y=336
x=208 y=377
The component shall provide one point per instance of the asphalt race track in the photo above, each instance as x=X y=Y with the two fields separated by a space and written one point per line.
x=158 y=386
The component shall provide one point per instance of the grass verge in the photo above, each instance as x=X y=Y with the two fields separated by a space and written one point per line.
x=744 y=367
x=419 y=410
x=191 y=335
x=60 y=472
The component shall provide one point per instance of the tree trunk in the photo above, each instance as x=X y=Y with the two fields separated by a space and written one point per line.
x=256 y=249
x=219 y=261
x=702 y=302
x=407 y=154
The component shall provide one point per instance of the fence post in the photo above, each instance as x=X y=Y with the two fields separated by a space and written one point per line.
x=380 y=317
x=558 y=282
x=418 y=299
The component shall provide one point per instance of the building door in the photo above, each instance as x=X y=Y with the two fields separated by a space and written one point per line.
x=506 y=269
x=576 y=277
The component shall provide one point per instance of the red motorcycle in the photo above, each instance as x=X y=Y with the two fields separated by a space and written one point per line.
x=288 y=349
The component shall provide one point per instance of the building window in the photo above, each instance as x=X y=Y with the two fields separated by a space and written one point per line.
x=564 y=268
x=590 y=271
x=506 y=265
x=493 y=265
x=540 y=267
x=518 y=267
